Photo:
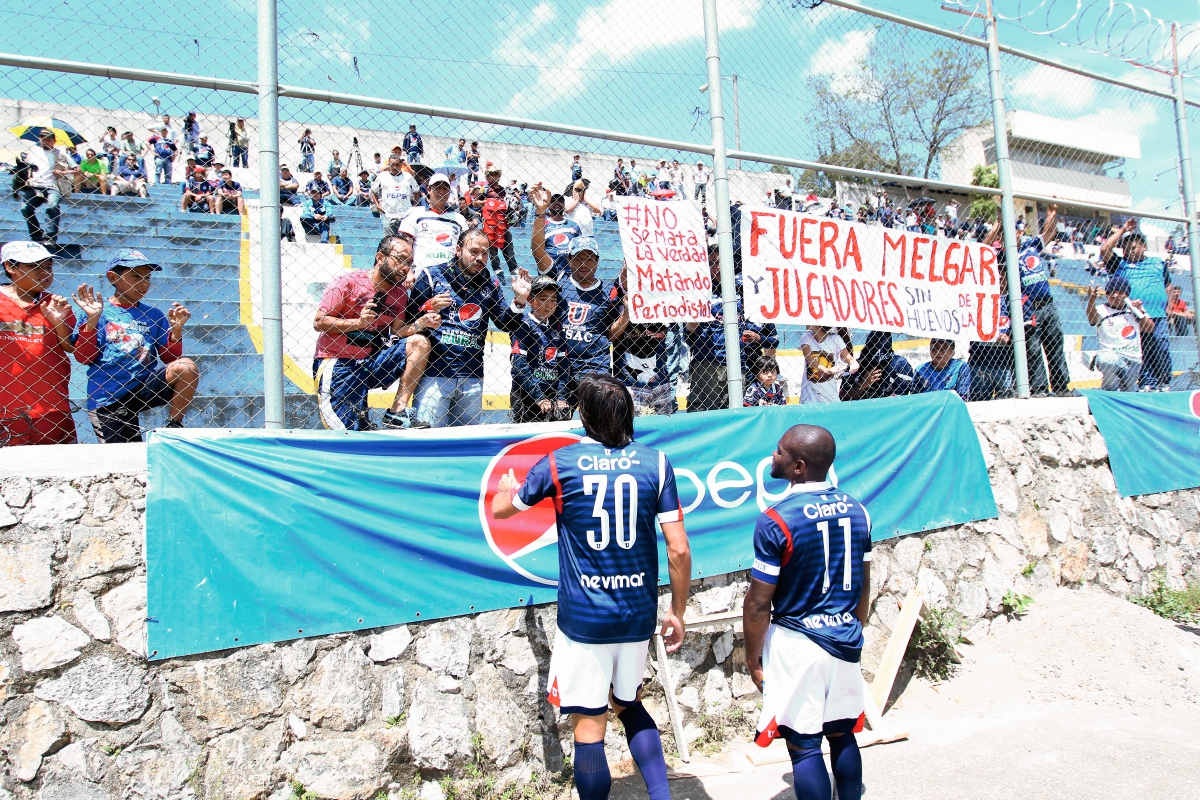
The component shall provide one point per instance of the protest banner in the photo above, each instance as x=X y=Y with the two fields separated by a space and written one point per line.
x=804 y=270
x=666 y=261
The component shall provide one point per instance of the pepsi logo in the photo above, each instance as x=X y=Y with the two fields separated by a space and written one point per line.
x=469 y=312
x=560 y=239
x=1129 y=332
x=523 y=542
x=1194 y=404
x=444 y=239
x=551 y=353
x=1031 y=262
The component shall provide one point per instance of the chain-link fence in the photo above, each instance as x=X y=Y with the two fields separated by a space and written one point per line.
x=156 y=237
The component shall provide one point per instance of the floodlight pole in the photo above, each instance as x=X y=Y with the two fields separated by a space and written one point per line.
x=268 y=208
x=1185 y=172
x=1008 y=223
x=733 y=360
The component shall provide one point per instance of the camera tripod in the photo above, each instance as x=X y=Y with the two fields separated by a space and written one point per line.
x=355 y=157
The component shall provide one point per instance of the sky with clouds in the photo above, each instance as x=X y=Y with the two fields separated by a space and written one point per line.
x=632 y=65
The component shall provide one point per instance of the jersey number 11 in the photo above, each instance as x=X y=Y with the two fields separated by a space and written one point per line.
x=823 y=527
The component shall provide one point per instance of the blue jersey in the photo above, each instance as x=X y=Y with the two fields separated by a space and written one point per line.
x=759 y=395
x=956 y=377
x=558 y=239
x=1148 y=281
x=458 y=342
x=606 y=502
x=1035 y=274
x=130 y=340
x=707 y=341
x=540 y=367
x=811 y=545
x=587 y=315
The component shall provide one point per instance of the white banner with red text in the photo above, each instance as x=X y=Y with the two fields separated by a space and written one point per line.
x=803 y=270
x=666 y=261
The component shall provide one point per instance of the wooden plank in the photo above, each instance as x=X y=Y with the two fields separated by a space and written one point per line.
x=664 y=680
x=893 y=654
x=713 y=619
x=871 y=708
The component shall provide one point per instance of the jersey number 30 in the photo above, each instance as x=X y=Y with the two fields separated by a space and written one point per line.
x=823 y=527
x=625 y=500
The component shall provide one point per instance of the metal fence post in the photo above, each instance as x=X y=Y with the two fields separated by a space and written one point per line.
x=1185 y=172
x=1007 y=221
x=268 y=170
x=733 y=358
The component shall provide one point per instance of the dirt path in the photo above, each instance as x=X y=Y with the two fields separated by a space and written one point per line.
x=1087 y=696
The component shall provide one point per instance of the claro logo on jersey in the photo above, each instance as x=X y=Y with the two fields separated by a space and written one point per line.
x=527 y=542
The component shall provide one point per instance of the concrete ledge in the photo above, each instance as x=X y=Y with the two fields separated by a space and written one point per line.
x=1015 y=410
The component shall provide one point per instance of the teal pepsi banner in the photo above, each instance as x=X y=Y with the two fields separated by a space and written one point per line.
x=260 y=536
x=1169 y=422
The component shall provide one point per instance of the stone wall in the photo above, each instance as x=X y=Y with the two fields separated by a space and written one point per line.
x=85 y=717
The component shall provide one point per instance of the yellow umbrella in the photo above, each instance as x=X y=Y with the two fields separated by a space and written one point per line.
x=32 y=129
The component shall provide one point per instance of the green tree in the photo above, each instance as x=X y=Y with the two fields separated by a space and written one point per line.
x=903 y=104
x=983 y=206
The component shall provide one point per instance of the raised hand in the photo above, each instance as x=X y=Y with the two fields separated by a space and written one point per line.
x=508 y=482
x=178 y=314
x=55 y=309
x=90 y=303
x=521 y=284
x=540 y=196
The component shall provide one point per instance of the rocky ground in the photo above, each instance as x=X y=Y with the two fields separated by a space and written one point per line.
x=1087 y=696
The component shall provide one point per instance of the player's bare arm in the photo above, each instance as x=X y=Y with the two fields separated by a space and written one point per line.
x=756 y=618
x=863 y=610
x=502 y=504
x=679 y=561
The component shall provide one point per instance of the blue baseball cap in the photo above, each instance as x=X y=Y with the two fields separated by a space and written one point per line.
x=583 y=244
x=127 y=257
x=1117 y=283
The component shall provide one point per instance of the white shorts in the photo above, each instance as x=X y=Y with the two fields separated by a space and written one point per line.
x=582 y=674
x=806 y=691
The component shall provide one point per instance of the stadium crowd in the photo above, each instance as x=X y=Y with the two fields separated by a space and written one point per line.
x=419 y=317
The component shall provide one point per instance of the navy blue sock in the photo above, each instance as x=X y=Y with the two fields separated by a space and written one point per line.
x=592 y=778
x=847 y=766
x=645 y=745
x=811 y=781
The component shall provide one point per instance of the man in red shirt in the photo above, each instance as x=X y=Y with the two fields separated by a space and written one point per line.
x=364 y=343
x=35 y=343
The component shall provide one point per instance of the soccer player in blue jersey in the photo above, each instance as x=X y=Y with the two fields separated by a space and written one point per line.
x=804 y=614
x=608 y=490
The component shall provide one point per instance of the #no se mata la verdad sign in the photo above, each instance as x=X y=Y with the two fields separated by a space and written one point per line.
x=666 y=261
x=804 y=270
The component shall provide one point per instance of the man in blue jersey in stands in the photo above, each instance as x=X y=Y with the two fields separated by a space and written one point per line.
x=804 y=615
x=608 y=490
x=1032 y=260
x=1148 y=278
x=552 y=231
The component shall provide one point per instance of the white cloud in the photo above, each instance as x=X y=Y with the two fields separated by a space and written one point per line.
x=842 y=59
x=611 y=33
x=1064 y=91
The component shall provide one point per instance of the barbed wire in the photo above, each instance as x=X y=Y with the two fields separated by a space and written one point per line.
x=1104 y=27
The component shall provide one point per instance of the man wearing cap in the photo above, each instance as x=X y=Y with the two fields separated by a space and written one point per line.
x=392 y=194
x=164 y=155
x=197 y=192
x=204 y=152
x=552 y=230
x=319 y=183
x=1148 y=278
x=122 y=342
x=35 y=343
x=540 y=361
x=496 y=213
x=48 y=164
x=1120 y=324
x=413 y=146
x=451 y=389
x=1035 y=285
x=435 y=230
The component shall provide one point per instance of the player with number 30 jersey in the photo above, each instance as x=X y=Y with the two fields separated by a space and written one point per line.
x=609 y=493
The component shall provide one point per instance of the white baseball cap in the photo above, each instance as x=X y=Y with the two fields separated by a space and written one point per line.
x=438 y=177
x=24 y=252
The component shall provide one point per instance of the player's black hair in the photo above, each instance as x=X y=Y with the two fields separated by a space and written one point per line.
x=606 y=410
x=765 y=363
